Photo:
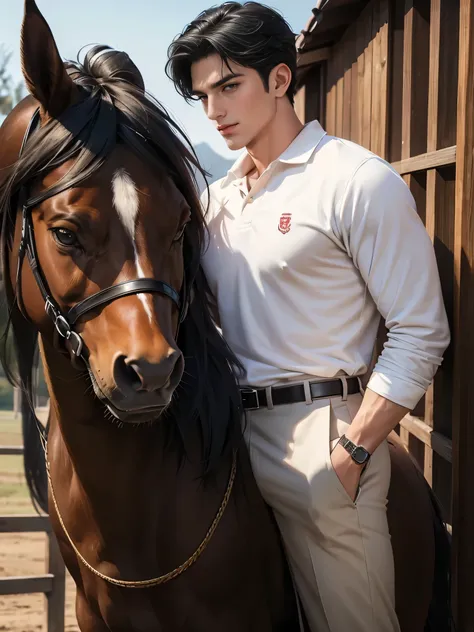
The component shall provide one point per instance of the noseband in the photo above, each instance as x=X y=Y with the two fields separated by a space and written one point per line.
x=64 y=321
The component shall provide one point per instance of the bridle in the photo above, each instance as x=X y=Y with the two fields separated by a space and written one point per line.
x=64 y=321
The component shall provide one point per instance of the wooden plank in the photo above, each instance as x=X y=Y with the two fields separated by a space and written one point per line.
x=415 y=91
x=55 y=599
x=415 y=78
x=463 y=331
x=339 y=62
x=24 y=524
x=11 y=449
x=367 y=82
x=347 y=96
x=25 y=585
x=432 y=185
x=310 y=109
x=360 y=47
x=444 y=193
x=322 y=82
x=428 y=466
x=379 y=125
x=448 y=73
x=428 y=160
x=354 y=113
x=394 y=150
x=384 y=21
x=433 y=91
x=434 y=440
x=440 y=212
x=405 y=436
x=313 y=57
x=331 y=99
x=407 y=105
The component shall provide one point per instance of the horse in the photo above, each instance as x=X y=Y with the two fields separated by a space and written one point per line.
x=142 y=466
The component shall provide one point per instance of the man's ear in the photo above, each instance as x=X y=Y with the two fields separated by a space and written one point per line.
x=280 y=79
x=42 y=66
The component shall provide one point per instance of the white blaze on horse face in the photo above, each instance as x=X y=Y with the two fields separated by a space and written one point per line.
x=125 y=200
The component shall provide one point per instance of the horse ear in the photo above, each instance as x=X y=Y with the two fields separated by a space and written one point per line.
x=43 y=69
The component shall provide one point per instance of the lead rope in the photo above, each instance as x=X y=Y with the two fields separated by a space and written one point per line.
x=163 y=579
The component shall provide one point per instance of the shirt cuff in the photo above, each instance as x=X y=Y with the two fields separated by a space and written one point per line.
x=396 y=390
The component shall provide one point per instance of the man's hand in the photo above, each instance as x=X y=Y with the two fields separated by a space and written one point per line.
x=374 y=421
x=347 y=470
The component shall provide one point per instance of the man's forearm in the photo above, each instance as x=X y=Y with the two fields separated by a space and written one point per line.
x=375 y=420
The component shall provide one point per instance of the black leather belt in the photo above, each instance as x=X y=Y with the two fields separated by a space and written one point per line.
x=254 y=398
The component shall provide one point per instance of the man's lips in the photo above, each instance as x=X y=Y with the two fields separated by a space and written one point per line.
x=225 y=128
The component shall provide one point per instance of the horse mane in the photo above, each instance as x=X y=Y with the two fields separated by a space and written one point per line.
x=114 y=108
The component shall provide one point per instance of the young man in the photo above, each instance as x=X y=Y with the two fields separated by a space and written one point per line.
x=312 y=238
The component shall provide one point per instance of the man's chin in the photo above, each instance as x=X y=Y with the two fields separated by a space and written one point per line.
x=234 y=144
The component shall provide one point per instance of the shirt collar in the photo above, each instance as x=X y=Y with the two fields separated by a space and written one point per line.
x=298 y=152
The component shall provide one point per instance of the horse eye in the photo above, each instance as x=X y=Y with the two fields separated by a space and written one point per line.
x=65 y=237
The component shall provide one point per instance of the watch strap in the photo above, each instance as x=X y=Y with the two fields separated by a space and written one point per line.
x=351 y=447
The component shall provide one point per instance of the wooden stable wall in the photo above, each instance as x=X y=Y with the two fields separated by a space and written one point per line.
x=400 y=81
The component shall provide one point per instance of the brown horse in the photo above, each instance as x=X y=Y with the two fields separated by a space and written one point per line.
x=151 y=495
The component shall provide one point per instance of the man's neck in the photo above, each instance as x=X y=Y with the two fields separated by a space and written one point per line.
x=275 y=137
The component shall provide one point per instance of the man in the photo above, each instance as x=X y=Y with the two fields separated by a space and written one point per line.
x=312 y=238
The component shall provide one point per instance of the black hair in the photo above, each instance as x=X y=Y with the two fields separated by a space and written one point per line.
x=249 y=34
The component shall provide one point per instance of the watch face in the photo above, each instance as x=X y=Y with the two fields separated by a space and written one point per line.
x=360 y=455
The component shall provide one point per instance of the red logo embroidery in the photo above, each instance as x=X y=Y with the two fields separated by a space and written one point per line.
x=285 y=223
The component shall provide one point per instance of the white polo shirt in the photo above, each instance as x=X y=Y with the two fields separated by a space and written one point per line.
x=303 y=265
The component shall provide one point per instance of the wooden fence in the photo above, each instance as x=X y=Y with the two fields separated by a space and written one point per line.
x=397 y=76
x=53 y=583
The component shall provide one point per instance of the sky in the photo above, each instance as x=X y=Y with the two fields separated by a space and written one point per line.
x=143 y=29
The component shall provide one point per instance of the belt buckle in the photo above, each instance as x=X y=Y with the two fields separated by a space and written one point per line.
x=248 y=402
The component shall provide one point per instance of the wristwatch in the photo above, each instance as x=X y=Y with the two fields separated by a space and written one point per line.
x=359 y=454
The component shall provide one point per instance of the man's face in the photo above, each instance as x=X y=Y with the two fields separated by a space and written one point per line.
x=235 y=98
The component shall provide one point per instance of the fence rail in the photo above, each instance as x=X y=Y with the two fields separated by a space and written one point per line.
x=53 y=583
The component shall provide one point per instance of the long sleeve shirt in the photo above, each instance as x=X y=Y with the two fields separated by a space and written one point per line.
x=304 y=264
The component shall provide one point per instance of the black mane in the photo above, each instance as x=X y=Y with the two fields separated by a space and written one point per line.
x=116 y=109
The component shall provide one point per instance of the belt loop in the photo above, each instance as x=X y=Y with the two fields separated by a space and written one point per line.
x=307 y=393
x=344 y=388
x=361 y=388
x=268 y=392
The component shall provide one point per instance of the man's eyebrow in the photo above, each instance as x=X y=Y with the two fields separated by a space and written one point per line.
x=219 y=83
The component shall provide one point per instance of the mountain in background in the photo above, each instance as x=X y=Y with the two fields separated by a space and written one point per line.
x=213 y=163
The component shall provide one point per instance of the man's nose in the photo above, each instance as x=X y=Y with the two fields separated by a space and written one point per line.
x=214 y=110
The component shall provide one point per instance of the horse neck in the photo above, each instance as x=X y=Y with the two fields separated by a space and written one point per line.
x=120 y=491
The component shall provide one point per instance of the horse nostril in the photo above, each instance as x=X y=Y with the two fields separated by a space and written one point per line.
x=135 y=374
x=126 y=375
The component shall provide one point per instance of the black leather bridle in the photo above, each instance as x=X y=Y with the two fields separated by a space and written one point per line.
x=64 y=321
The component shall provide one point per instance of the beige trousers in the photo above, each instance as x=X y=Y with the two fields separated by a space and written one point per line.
x=339 y=550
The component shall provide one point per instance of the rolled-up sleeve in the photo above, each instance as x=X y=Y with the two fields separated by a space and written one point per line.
x=388 y=243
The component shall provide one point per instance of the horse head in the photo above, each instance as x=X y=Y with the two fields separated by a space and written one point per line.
x=103 y=188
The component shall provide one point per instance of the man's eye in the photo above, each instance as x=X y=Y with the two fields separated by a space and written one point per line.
x=65 y=237
x=231 y=86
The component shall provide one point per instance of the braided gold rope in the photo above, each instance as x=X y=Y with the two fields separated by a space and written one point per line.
x=157 y=581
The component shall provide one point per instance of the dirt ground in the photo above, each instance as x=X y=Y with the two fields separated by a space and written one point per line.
x=23 y=553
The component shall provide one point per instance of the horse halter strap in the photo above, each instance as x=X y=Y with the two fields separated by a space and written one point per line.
x=65 y=321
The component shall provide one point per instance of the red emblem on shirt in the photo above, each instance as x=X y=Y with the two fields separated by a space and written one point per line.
x=285 y=223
